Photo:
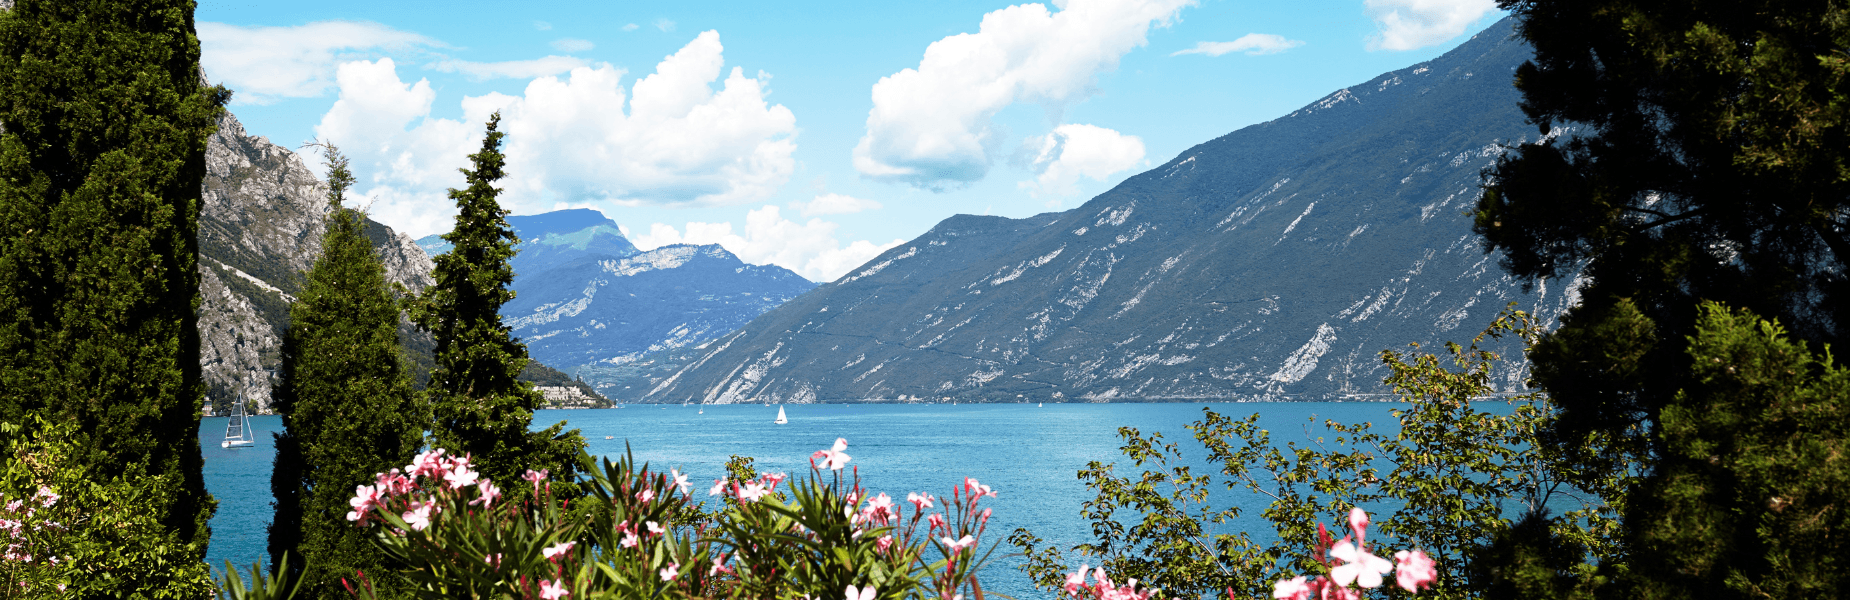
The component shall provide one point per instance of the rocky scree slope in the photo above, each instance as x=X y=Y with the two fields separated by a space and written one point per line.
x=1275 y=262
x=263 y=215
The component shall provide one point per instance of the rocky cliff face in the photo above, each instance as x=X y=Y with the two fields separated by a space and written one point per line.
x=260 y=227
x=1273 y=262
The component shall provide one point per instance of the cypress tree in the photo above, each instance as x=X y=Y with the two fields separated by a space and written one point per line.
x=346 y=400
x=105 y=116
x=480 y=405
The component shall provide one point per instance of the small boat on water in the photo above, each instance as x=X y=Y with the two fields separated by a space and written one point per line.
x=237 y=432
x=781 y=419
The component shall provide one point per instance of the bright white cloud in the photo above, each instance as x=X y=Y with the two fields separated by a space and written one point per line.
x=1253 y=44
x=834 y=204
x=265 y=64
x=810 y=249
x=1072 y=151
x=510 y=69
x=569 y=139
x=931 y=126
x=1410 y=24
x=572 y=45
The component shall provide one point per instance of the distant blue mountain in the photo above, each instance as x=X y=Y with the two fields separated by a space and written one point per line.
x=585 y=295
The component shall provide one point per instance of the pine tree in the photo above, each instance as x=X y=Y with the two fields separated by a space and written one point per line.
x=347 y=404
x=1692 y=152
x=105 y=117
x=481 y=408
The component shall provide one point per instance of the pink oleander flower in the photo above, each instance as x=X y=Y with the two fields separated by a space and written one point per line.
x=919 y=501
x=719 y=566
x=14 y=506
x=558 y=549
x=655 y=528
x=670 y=571
x=553 y=590
x=866 y=593
x=419 y=515
x=630 y=540
x=426 y=464
x=1358 y=566
x=1358 y=522
x=47 y=497
x=489 y=493
x=493 y=560
x=977 y=489
x=1076 y=580
x=365 y=499
x=832 y=459
x=957 y=545
x=1414 y=570
x=680 y=482
x=392 y=483
x=885 y=542
x=645 y=495
x=719 y=487
x=753 y=491
x=460 y=476
x=535 y=477
x=881 y=507
x=772 y=479
x=936 y=521
x=1291 y=589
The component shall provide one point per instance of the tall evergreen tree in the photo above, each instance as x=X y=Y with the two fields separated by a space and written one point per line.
x=105 y=116
x=480 y=406
x=1703 y=155
x=346 y=400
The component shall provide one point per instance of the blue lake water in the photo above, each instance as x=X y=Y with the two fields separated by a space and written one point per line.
x=1029 y=454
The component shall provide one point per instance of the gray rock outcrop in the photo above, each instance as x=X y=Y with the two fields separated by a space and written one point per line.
x=260 y=225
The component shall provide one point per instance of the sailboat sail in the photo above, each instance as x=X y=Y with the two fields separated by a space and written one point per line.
x=781 y=419
x=237 y=434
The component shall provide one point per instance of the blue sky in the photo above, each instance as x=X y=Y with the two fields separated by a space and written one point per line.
x=813 y=135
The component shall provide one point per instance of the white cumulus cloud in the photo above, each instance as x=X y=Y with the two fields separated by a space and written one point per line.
x=1253 y=44
x=265 y=64
x=568 y=138
x=810 y=249
x=931 y=126
x=510 y=69
x=834 y=204
x=1410 y=24
x=572 y=45
x=1073 y=150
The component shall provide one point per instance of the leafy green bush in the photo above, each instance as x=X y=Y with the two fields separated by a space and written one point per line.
x=1442 y=483
x=70 y=534
x=635 y=533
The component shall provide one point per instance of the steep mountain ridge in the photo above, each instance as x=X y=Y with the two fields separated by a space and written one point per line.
x=1273 y=262
x=261 y=221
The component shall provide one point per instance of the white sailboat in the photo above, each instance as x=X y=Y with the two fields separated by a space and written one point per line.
x=237 y=434
x=781 y=419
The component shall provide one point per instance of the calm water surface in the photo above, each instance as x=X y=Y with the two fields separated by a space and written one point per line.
x=1029 y=454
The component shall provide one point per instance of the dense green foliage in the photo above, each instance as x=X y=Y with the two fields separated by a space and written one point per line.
x=105 y=119
x=1705 y=157
x=91 y=535
x=1747 y=499
x=481 y=408
x=346 y=401
x=1447 y=482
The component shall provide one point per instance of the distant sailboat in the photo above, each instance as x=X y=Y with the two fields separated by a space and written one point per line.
x=781 y=419
x=237 y=434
